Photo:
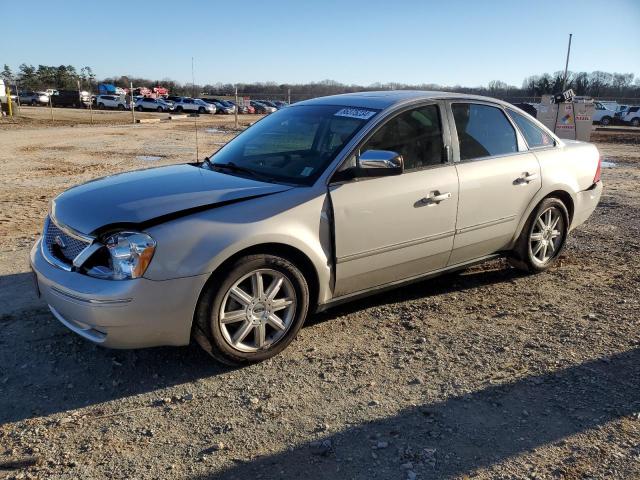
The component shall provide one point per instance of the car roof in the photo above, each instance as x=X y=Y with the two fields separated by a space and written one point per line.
x=388 y=98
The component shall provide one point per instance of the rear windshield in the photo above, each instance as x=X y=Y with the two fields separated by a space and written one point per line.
x=295 y=145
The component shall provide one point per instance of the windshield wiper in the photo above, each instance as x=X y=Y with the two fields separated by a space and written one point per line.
x=237 y=168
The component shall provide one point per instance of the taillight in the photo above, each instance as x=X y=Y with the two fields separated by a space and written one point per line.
x=596 y=177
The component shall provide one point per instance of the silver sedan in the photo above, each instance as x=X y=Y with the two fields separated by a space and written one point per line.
x=317 y=204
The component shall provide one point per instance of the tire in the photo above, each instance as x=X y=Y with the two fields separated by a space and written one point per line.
x=532 y=255
x=120 y=106
x=179 y=109
x=159 y=109
x=253 y=311
x=34 y=103
x=201 y=110
x=605 y=121
x=101 y=106
x=139 y=108
x=635 y=122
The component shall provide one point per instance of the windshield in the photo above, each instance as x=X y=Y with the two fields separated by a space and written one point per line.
x=293 y=145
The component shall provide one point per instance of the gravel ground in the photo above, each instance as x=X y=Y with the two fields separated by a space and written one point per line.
x=485 y=374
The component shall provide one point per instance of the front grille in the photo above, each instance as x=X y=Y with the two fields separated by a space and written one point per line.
x=61 y=245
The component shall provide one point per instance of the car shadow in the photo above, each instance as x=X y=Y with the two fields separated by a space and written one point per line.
x=58 y=371
x=466 y=432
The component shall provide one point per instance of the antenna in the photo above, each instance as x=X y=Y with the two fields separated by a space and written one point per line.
x=195 y=116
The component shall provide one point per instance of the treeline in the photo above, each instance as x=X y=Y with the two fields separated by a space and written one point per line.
x=595 y=84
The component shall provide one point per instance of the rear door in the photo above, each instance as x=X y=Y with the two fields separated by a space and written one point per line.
x=393 y=228
x=498 y=178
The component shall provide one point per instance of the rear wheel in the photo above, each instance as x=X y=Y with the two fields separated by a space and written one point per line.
x=542 y=238
x=253 y=310
x=139 y=108
x=635 y=122
x=120 y=106
x=179 y=109
x=605 y=121
x=201 y=110
x=159 y=109
x=101 y=105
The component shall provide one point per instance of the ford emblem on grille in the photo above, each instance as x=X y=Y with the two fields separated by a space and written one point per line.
x=60 y=242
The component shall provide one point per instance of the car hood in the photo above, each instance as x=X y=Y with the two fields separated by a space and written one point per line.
x=152 y=195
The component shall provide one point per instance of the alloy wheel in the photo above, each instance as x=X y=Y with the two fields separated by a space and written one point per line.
x=258 y=310
x=546 y=235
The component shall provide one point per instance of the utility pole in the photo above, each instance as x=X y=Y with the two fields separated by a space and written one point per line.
x=289 y=96
x=566 y=65
x=133 y=110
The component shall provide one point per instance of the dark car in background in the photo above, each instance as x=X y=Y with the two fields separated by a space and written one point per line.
x=71 y=98
x=261 y=108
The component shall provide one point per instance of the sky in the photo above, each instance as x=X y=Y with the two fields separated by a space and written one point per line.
x=450 y=42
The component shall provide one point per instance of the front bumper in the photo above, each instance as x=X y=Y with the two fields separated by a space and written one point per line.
x=119 y=314
x=586 y=203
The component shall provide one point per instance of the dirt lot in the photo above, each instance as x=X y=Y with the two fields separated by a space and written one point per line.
x=487 y=374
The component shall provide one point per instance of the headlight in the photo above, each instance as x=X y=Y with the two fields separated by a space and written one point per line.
x=129 y=255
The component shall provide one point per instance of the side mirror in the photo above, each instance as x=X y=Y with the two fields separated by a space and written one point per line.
x=379 y=163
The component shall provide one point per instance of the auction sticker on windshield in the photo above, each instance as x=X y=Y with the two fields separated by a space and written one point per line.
x=355 y=113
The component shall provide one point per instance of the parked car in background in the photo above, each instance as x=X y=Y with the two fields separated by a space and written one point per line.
x=620 y=112
x=187 y=104
x=224 y=108
x=243 y=108
x=632 y=116
x=71 y=98
x=236 y=251
x=157 y=104
x=111 y=101
x=261 y=108
x=269 y=103
x=280 y=104
x=602 y=115
x=33 y=98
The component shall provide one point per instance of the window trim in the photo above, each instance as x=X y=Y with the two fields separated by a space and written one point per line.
x=381 y=122
x=455 y=142
x=542 y=147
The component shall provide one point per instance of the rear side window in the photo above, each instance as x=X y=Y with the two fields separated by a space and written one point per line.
x=415 y=134
x=483 y=131
x=534 y=136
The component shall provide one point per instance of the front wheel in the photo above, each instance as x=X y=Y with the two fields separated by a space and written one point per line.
x=159 y=109
x=139 y=108
x=253 y=310
x=179 y=109
x=605 y=121
x=635 y=122
x=201 y=110
x=542 y=238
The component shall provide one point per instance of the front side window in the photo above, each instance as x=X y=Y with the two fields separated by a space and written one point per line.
x=483 y=131
x=415 y=134
x=293 y=145
x=533 y=134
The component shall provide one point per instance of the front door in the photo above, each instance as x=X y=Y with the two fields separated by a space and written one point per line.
x=393 y=228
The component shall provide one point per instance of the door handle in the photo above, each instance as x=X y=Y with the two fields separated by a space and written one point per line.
x=436 y=198
x=525 y=178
